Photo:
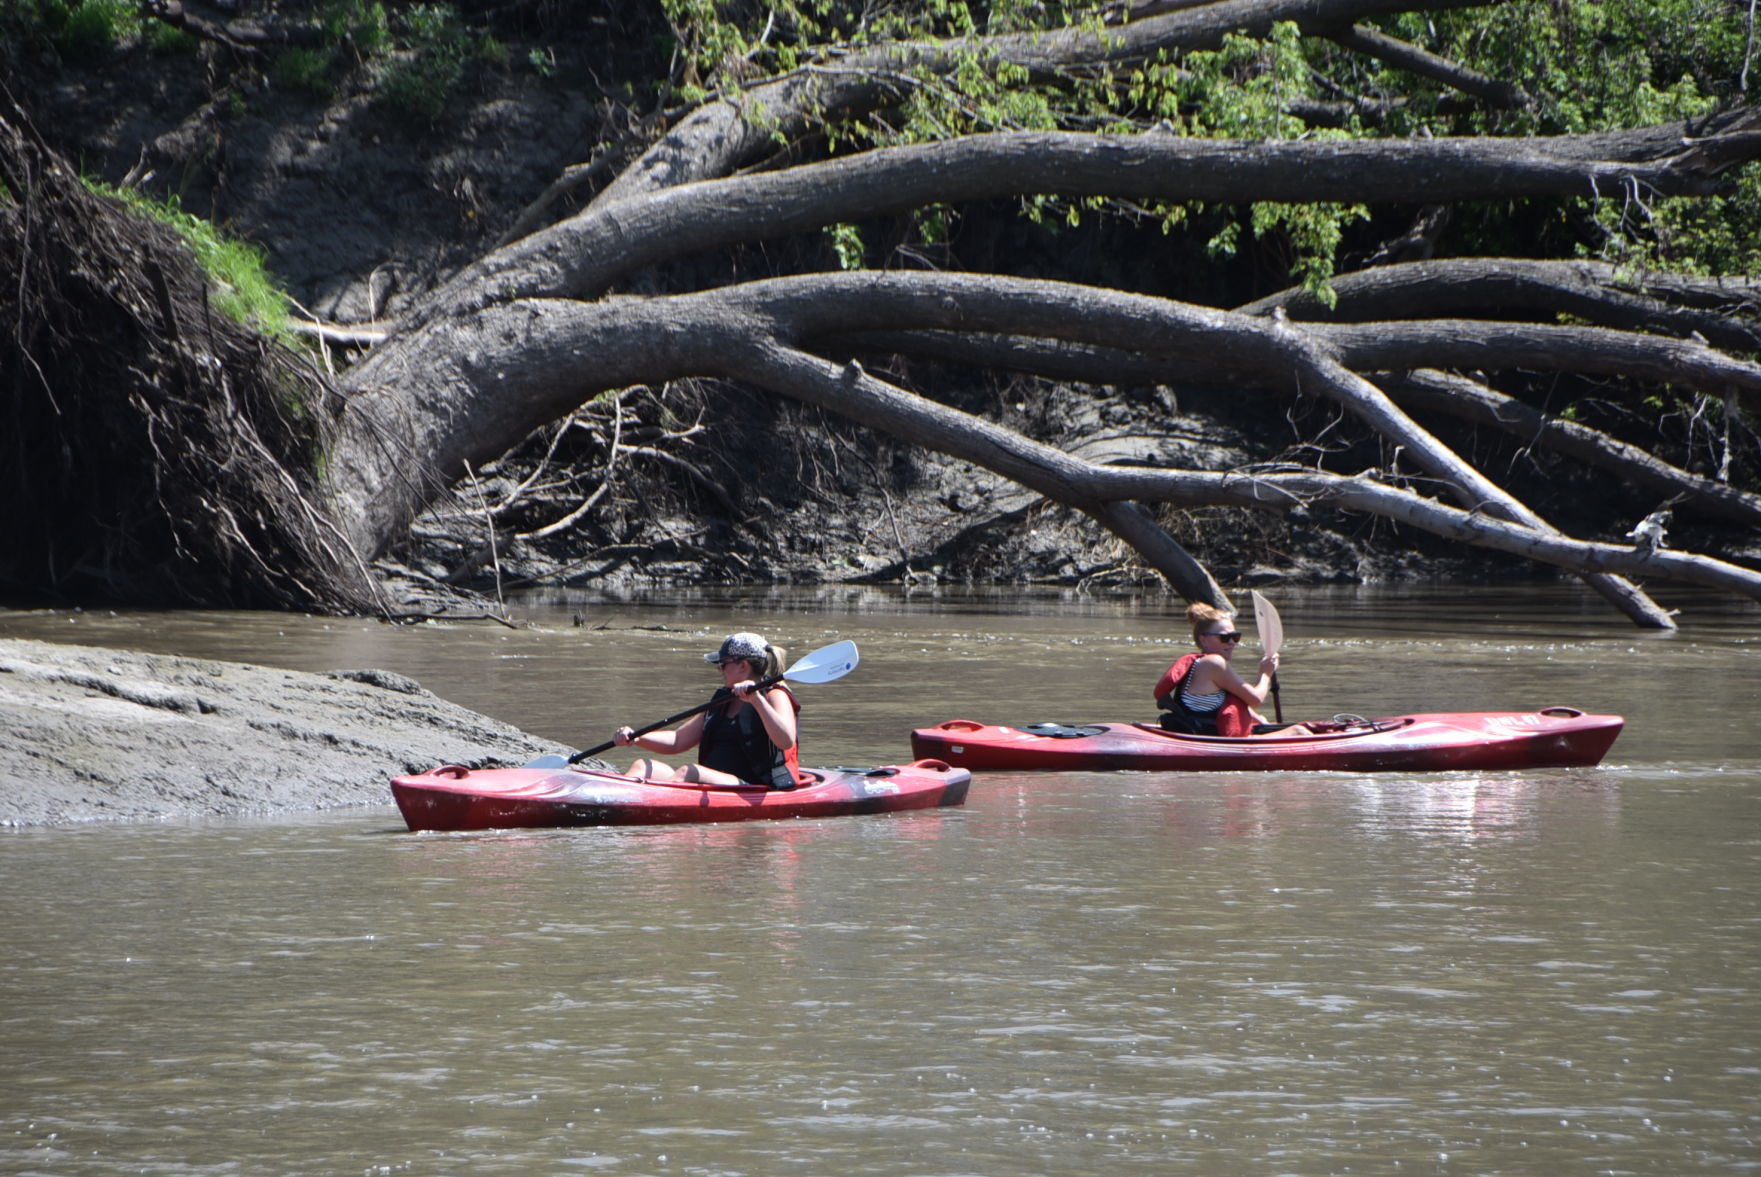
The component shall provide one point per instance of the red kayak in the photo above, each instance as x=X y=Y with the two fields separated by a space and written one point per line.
x=1554 y=737
x=456 y=798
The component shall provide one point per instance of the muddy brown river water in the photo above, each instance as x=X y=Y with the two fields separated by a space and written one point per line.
x=1546 y=972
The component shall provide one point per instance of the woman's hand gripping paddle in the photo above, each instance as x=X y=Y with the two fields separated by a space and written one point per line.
x=826 y=664
x=1271 y=630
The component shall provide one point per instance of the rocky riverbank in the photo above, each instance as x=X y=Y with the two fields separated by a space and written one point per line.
x=89 y=734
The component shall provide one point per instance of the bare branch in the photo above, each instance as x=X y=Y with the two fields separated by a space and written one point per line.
x=1090 y=487
x=1472 y=401
x=1409 y=57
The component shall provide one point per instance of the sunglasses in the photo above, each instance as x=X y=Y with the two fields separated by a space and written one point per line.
x=1231 y=636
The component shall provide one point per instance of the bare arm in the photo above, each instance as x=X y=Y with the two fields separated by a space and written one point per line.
x=666 y=743
x=1215 y=674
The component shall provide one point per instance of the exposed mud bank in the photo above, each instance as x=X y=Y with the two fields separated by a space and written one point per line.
x=89 y=734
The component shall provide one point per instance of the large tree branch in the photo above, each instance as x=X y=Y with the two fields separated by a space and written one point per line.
x=584 y=256
x=722 y=136
x=1428 y=389
x=1468 y=485
x=1495 y=347
x=536 y=360
x=1725 y=312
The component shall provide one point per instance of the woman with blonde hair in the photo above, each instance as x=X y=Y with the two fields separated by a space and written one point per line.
x=1202 y=694
x=748 y=734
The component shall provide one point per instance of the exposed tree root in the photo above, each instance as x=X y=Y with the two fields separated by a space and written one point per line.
x=157 y=450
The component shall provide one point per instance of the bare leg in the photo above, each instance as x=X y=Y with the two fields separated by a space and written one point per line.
x=651 y=770
x=706 y=776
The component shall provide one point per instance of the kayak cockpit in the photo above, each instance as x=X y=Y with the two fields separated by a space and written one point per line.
x=1319 y=731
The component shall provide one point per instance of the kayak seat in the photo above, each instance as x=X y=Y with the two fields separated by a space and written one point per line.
x=1179 y=721
x=1061 y=731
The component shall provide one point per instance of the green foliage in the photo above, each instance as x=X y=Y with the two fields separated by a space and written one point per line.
x=93 y=27
x=1242 y=90
x=421 y=76
x=304 y=69
x=935 y=224
x=847 y=243
x=162 y=38
x=243 y=289
x=355 y=32
x=79 y=30
x=1605 y=66
x=1619 y=63
x=417 y=60
x=362 y=24
x=1588 y=66
x=419 y=80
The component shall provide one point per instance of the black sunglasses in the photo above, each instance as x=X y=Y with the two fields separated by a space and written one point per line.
x=1231 y=636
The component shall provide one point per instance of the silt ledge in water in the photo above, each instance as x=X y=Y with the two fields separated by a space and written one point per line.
x=90 y=734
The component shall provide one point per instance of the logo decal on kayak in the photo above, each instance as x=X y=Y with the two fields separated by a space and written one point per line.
x=885 y=789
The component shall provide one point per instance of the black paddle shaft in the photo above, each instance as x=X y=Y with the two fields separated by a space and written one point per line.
x=765 y=685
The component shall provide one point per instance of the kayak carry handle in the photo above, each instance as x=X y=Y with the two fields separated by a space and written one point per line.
x=959 y=725
x=932 y=765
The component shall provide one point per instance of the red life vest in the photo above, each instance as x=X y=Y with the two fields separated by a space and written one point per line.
x=1233 y=718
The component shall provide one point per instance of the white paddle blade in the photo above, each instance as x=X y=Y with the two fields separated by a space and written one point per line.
x=825 y=664
x=1267 y=621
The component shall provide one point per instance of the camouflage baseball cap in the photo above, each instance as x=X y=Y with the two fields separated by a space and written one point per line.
x=740 y=645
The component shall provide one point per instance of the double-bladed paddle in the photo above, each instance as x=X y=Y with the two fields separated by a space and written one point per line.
x=1271 y=627
x=825 y=664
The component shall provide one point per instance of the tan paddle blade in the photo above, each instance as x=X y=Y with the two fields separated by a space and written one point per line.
x=1271 y=627
x=1266 y=620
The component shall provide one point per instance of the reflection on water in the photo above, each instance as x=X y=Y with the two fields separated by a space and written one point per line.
x=1545 y=972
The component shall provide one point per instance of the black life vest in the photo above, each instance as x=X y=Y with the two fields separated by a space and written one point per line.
x=738 y=744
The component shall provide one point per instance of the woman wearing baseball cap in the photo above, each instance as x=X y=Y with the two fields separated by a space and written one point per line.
x=748 y=735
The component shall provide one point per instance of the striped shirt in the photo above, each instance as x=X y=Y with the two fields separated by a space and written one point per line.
x=1200 y=703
